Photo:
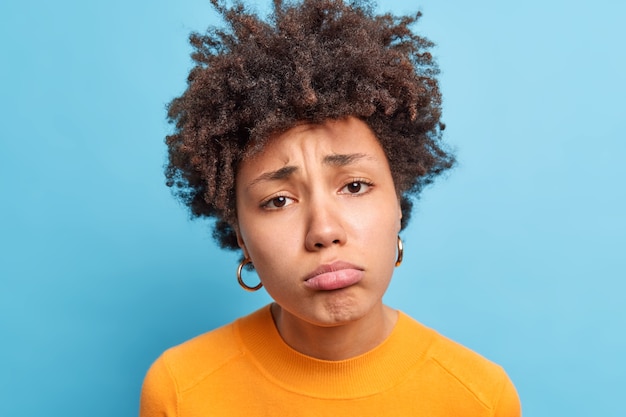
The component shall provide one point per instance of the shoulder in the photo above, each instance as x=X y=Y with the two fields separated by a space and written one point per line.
x=183 y=367
x=485 y=380
x=196 y=359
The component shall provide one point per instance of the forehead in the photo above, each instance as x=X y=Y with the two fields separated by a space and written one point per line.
x=306 y=141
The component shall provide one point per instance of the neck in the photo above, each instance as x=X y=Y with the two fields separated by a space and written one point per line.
x=339 y=342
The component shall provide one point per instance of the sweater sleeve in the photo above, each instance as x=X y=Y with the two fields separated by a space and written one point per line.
x=159 y=394
x=508 y=404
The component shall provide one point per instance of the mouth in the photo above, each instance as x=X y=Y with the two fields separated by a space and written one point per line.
x=334 y=276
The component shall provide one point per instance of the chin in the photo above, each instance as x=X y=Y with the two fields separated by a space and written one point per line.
x=336 y=313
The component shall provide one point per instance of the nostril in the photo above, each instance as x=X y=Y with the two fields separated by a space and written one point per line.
x=336 y=241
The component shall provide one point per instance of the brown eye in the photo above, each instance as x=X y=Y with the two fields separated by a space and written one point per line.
x=353 y=187
x=356 y=188
x=279 y=201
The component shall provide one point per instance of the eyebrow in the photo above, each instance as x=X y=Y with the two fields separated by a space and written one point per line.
x=341 y=160
x=279 y=174
x=334 y=160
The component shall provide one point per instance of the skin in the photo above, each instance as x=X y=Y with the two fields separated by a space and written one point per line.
x=318 y=215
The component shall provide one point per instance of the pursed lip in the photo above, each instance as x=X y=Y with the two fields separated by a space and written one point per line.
x=333 y=276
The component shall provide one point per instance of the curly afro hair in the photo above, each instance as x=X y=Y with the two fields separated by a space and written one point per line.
x=307 y=62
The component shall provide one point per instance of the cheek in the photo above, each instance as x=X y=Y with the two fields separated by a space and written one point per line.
x=379 y=218
x=376 y=235
x=264 y=240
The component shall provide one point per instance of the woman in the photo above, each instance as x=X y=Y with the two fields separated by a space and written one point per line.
x=305 y=136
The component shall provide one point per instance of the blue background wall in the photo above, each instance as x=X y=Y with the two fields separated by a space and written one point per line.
x=518 y=253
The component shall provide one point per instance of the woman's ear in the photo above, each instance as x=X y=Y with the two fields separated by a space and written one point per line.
x=241 y=243
x=399 y=215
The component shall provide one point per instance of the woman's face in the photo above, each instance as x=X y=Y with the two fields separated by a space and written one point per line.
x=319 y=217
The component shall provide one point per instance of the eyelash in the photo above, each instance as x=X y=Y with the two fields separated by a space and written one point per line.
x=266 y=203
x=361 y=182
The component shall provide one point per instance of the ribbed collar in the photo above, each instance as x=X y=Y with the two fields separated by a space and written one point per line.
x=372 y=372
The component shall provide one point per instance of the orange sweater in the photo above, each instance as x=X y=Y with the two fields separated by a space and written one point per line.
x=245 y=369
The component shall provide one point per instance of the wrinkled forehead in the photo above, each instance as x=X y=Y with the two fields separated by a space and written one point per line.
x=336 y=143
x=344 y=135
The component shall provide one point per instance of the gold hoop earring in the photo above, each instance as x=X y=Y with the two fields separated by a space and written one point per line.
x=400 y=251
x=246 y=287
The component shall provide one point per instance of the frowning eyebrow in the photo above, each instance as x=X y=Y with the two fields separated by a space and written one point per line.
x=279 y=174
x=340 y=160
x=334 y=160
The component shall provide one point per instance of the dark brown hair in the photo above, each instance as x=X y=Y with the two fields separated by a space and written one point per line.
x=307 y=62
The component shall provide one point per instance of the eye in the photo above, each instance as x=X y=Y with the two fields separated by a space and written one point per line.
x=356 y=187
x=277 y=202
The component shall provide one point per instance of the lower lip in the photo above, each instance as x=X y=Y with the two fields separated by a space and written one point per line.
x=334 y=280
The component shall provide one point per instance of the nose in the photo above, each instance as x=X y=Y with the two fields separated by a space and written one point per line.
x=325 y=227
